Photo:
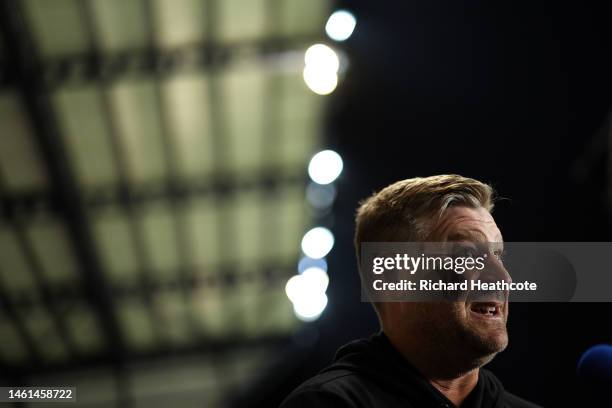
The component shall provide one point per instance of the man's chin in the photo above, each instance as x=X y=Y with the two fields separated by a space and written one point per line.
x=486 y=333
x=486 y=344
x=485 y=339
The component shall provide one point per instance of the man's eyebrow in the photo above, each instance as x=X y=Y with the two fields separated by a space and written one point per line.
x=469 y=235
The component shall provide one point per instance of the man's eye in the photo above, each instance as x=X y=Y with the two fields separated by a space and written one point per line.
x=466 y=251
x=499 y=254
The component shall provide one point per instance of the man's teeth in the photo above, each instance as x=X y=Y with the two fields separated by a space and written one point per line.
x=486 y=309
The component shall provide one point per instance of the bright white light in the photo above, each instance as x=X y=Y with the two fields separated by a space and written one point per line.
x=325 y=167
x=320 y=81
x=307 y=293
x=300 y=288
x=321 y=69
x=322 y=57
x=317 y=242
x=293 y=288
x=316 y=278
x=340 y=25
x=310 y=309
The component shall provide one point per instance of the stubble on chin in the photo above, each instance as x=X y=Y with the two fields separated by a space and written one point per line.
x=483 y=339
x=476 y=341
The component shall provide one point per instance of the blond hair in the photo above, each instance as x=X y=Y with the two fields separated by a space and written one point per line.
x=408 y=210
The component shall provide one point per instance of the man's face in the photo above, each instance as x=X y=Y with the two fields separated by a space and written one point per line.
x=474 y=327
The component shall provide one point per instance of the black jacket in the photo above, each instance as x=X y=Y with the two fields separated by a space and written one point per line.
x=372 y=373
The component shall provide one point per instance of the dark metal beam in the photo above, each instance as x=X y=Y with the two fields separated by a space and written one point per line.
x=269 y=272
x=94 y=66
x=217 y=348
x=18 y=228
x=21 y=51
x=43 y=288
x=10 y=310
x=268 y=181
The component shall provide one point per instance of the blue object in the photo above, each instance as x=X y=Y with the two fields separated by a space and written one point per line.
x=595 y=365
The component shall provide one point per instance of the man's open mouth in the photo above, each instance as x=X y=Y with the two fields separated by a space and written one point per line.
x=486 y=309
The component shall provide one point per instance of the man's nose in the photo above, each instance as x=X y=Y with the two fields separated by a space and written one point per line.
x=495 y=271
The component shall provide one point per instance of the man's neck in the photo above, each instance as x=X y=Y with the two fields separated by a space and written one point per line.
x=455 y=385
x=456 y=389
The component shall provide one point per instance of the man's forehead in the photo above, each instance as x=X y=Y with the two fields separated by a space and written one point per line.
x=464 y=222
